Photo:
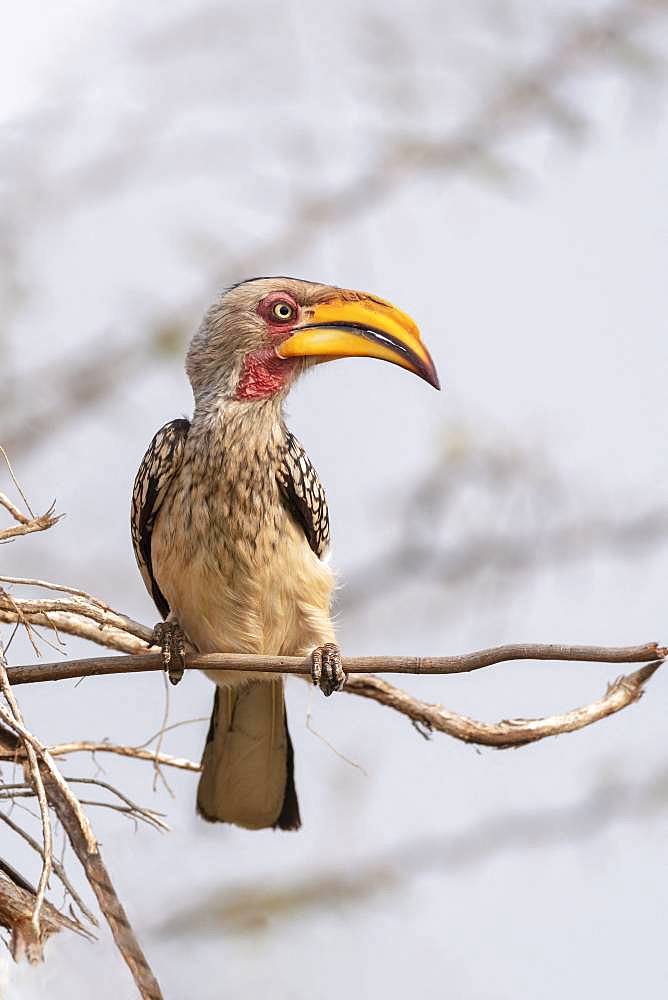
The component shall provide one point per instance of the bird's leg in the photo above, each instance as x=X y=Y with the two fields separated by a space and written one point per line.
x=172 y=640
x=326 y=669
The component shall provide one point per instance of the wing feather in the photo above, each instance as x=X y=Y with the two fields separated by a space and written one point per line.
x=303 y=494
x=156 y=472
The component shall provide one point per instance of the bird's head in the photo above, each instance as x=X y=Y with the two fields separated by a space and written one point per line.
x=261 y=334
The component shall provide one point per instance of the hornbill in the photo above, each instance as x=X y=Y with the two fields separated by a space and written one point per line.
x=230 y=525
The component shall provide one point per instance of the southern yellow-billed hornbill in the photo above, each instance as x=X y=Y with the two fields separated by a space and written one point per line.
x=230 y=523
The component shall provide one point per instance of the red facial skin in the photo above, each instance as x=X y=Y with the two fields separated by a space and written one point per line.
x=264 y=373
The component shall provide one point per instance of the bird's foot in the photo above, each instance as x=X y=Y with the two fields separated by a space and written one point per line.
x=326 y=669
x=172 y=640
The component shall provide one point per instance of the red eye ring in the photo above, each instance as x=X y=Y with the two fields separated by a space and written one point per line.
x=278 y=309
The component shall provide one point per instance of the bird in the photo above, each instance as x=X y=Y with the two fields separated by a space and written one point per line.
x=230 y=524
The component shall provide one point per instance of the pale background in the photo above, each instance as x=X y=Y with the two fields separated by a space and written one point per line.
x=151 y=154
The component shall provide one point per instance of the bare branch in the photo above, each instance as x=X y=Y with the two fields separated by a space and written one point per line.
x=75 y=822
x=139 y=753
x=38 y=611
x=88 y=852
x=59 y=587
x=116 y=631
x=19 y=790
x=432 y=665
x=507 y=733
x=511 y=732
x=113 y=638
x=149 y=816
x=12 y=508
x=27 y=526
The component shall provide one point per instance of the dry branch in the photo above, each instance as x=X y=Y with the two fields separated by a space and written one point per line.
x=26 y=525
x=88 y=852
x=36 y=783
x=77 y=827
x=90 y=618
x=511 y=732
x=138 y=753
x=507 y=733
x=58 y=869
x=17 y=905
x=259 y=663
x=49 y=785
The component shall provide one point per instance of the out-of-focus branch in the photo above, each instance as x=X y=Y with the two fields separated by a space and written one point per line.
x=531 y=96
x=449 y=530
x=447 y=566
x=241 y=906
x=75 y=383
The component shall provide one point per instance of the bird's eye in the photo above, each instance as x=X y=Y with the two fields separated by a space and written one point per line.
x=283 y=311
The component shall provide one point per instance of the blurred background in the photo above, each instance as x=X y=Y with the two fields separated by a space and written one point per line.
x=499 y=170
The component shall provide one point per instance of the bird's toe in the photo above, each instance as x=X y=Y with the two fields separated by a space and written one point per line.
x=327 y=668
x=172 y=641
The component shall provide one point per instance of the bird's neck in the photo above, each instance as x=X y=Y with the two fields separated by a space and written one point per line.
x=229 y=435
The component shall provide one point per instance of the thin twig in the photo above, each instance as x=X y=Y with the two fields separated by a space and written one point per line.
x=168 y=729
x=113 y=638
x=155 y=819
x=59 y=587
x=148 y=815
x=139 y=753
x=38 y=609
x=157 y=773
x=17 y=513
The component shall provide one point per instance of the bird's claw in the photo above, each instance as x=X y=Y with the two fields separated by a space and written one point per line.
x=172 y=640
x=326 y=668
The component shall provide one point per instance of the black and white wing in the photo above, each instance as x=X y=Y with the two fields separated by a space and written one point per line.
x=156 y=472
x=303 y=494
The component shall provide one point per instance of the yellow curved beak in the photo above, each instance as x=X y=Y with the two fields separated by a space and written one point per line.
x=364 y=328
